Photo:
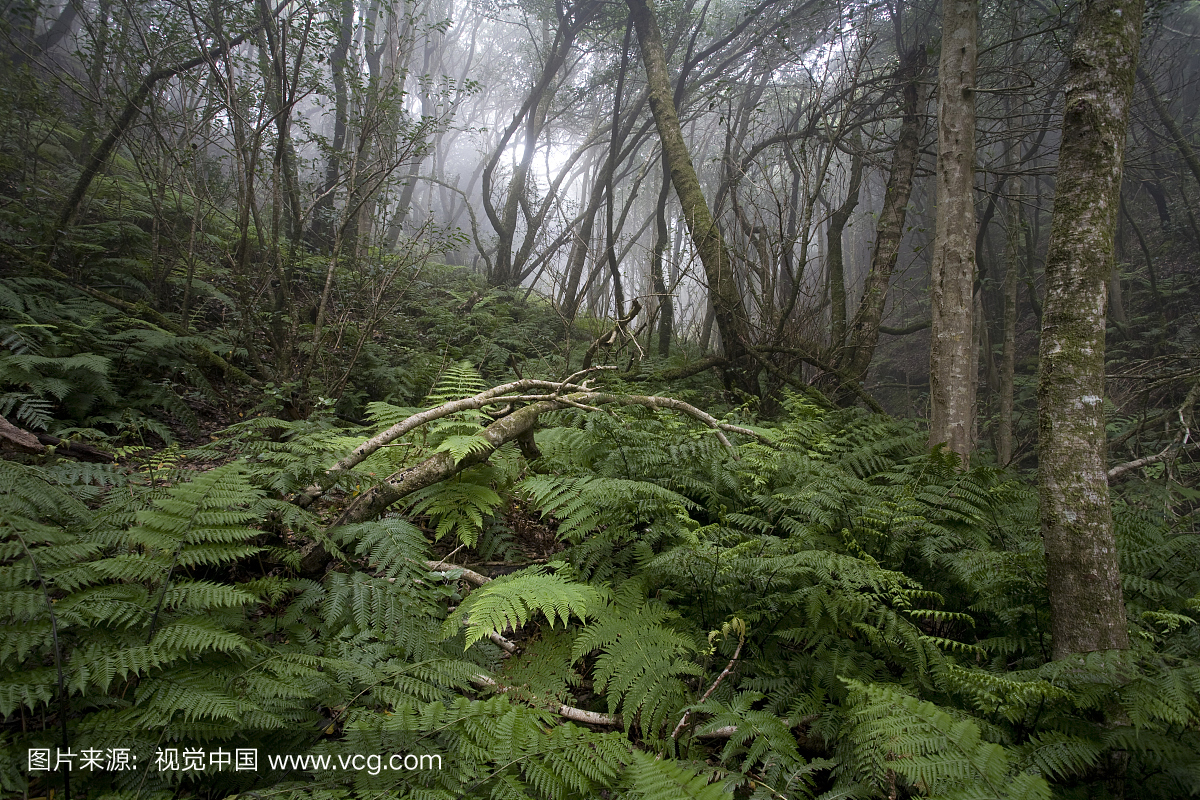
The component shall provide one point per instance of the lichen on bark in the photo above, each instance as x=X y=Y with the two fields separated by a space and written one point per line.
x=1083 y=575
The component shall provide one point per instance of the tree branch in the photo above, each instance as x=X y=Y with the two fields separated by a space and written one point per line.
x=132 y=107
x=906 y=329
x=1171 y=450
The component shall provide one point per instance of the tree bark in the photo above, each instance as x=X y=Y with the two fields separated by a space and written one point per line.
x=666 y=306
x=837 y=267
x=1086 y=604
x=729 y=310
x=952 y=384
x=1008 y=353
x=889 y=230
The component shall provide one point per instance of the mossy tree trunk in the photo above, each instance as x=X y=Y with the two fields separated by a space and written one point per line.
x=1086 y=604
x=658 y=255
x=729 y=311
x=952 y=380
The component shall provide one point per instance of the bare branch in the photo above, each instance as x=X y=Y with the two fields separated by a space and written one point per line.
x=1171 y=450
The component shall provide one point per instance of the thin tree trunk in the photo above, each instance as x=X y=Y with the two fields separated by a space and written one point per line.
x=666 y=308
x=579 y=250
x=837 y=268
x=729 y=310
x=1012 y=245
x=952 y=384
x=323 y=214
x=614 y=146
x=1008 y=353
x=133 y=106
x=889 y=230
x=1087 y=609
x=532 y=112
x=1177 y=135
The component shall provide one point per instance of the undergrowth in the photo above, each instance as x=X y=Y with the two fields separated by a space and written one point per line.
x=831 y=611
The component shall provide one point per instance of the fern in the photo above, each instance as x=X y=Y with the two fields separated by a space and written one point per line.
x=459 y=506
x=895 y=733
x=582 y=505
x=458 y=379
x=511 y=601
x=654 y=779
x=640 y=662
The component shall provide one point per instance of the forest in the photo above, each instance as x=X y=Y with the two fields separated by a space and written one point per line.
x=599 y=399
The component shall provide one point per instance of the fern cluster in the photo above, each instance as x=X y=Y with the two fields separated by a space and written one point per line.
x=837 y=614
x=70 y=364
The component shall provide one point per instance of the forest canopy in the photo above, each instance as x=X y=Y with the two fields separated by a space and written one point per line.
x=639 y=399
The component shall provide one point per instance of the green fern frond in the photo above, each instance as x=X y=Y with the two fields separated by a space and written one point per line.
x=641 y=662
x=511 y=601
x=938 y=754
x=459 y=379
x=651 y=778
x=460 y=505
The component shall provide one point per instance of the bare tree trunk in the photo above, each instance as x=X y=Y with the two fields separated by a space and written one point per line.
x=952 y=383
x=729 y=310
x=837 y=267
x=889 y=230
x=1008 y=353
x=1087 y=609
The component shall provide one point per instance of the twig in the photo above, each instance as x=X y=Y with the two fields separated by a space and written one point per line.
x=570 y=379
x=448 y=555
x=502 y=643
x=564 y=711
x=728 y=668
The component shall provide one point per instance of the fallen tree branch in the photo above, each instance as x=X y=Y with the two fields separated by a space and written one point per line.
x=36 y=444
x=677 y=373
x=614 y=336
x=512 y=427
x=564 y=711
x=19 y=438
x=728 y=668
x=440 y=466
x=614 y=720
x=493 y=396
x=1171 y=450
x=651 y=401
x=502 y=643
x=76 y=450
x=470 y=576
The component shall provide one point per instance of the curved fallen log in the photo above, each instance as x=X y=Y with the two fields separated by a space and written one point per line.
x=514 y=427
